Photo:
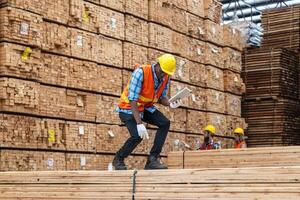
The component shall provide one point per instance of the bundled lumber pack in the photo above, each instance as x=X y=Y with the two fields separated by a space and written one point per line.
x=64 y=64
x=235 y=158
x=271 y=75
x=282 y=28
x=219 y=183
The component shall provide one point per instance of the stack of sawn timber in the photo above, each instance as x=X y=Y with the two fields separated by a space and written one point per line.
x=63 y=65
x=235 y=158
x=266 y=183
x=271 y=75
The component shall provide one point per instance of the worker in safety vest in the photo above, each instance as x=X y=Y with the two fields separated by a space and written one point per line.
x=239 y=138
x=208 y=143
x=148 y=85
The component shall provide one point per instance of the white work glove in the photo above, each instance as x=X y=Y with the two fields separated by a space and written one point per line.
x=176 y=104
x=142 y=131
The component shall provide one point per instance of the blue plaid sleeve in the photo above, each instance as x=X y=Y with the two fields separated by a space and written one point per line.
x=135 y=85
x=164 y=93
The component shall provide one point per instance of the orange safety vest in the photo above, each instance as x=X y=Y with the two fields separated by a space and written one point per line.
x=238 y=145
x=147 y=96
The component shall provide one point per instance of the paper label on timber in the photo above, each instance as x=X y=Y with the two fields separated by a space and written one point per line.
x=213 y=30
x=113 y=23
x=110 y=167
x=236 y=79
x=50 y=162
x=85 y=16
x=217 y=74
x=181 y=63
x=81 y=130
x=24 y=28
x=79 y=101
x=214 y=50
x=235 y=102
x=200 y=30
x=26 y=53
x=193 y=98
x=82 y=161
x=111 y=133
x=51 y=135
x=199 y=51
x=79 y=40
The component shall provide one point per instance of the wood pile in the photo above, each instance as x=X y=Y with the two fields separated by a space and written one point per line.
x=282 y=28
x=64 y=64
x=271 y=75
x=272 y=122
x=220 y=183
x=235 y=158
x=271 y=72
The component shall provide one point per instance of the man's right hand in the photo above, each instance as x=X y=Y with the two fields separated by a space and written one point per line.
x=142 y=131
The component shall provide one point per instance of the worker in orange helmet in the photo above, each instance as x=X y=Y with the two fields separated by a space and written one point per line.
x=239 y=138
x=148 y=85
x=208 y=143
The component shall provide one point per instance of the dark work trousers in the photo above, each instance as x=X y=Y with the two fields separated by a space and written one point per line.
x=157 y=119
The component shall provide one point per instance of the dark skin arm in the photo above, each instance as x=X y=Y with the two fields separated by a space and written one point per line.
x=136 y=112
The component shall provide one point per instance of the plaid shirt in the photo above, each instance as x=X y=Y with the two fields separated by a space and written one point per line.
x=135 y=88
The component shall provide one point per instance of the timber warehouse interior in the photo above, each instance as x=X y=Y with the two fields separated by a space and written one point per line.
x=78 y=83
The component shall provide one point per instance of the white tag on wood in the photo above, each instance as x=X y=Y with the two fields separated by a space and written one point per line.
x=113 y=23
x=111 y=134
x=81 y=130
x=50 y=162
x=79 y=40
x=82 y=161
x=24 y=28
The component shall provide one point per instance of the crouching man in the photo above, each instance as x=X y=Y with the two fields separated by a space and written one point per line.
x=148 y=85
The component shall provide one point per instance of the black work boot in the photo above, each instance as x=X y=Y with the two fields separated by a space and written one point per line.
x=154 y=163
x=118 y=163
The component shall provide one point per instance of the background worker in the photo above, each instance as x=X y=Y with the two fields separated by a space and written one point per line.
x=208 y=143
x=148 y=85
x=239 y=138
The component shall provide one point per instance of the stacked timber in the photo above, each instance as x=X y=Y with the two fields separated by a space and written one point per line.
x=282 y=28
x=219 y=183
x=235 y=158
x=64 y=64
x=271 y=75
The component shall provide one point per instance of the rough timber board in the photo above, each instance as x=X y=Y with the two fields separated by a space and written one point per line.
x=255 y=183
x=235 y=158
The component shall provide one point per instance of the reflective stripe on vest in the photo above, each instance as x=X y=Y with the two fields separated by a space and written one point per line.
x=147 y=96
x=238 y=145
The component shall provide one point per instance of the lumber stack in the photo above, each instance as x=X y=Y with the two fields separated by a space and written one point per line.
x=271 y=75
x=64 y=64
x=282 y=28
x=235 y=158
x=220 y=183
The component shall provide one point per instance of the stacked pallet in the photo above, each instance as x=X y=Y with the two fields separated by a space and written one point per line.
x=235 y=158
x=63 y=65
x=220 y=183
x=271 y=74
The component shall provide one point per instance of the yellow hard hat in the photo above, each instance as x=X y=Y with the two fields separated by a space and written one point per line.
x=167 y=63
x=239 y=131
x=210 y=128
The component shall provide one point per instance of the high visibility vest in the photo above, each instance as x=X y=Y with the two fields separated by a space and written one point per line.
x=239 y=145
x=147 y=96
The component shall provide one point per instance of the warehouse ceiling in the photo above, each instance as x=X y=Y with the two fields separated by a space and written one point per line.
x=250 y=10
